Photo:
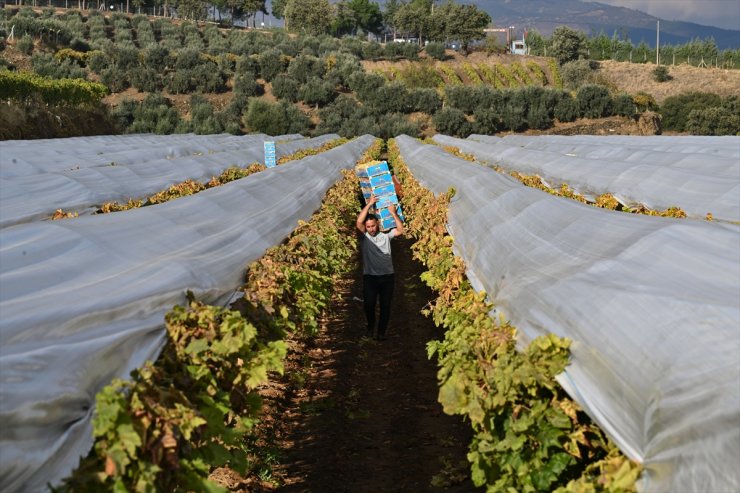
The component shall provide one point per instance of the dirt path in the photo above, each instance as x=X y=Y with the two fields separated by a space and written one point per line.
x=366 y=417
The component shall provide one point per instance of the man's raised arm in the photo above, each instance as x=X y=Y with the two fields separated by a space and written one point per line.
x=399 y=224
x=363 y=214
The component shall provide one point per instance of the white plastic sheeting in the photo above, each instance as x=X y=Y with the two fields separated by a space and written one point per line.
x=697 y=183
x=83 y=300
x=36 y=196
x=652 y=306
x=715 y=157
x=29 y=157
x=726 y=146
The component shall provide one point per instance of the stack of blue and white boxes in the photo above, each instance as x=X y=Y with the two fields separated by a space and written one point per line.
x=376 y=179
x=270 y=154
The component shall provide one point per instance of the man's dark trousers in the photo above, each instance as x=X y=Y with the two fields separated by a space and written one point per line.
x=374 y=287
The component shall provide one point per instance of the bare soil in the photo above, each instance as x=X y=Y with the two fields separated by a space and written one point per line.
x=358 y=415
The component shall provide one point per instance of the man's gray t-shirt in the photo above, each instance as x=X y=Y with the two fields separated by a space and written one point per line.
x=376 y=253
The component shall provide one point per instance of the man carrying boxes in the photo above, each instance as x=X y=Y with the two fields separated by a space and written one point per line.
x=376 y=179
x=377 y=265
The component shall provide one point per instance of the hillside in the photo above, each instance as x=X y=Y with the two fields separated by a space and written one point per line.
x=594 y=17
x=621 y=76
x=167 y=76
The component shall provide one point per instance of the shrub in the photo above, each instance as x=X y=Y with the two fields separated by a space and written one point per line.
x=286 y=88
x=594 y=101
x=365 y=85
x=289 y=47
x=154 y=114
x=158 y=57
x=390 y=98
x=424 y=100
x=203 y=119
x=644 y=102
x=271 y=64
x=245 y=84
x=372 y=51
x=436 y=50
x=713 y=121
x=420 y=75
x=236 y=108
x=576 y=73
x=146 y=79
x=114 y=78
x=342 y=68
x=396 y=124
x=538 y=116
x=276 y=118
x=246 y=63
x=675 y=110
x=660 y=74
x=317 y=91
x=46 y=65
x=180 y=82
x=304 y=67
x=462 y=98
x=97 y=61
x=514 y=117
x=25 y=44
x=209 y=78
x=487 y=121
x=187 y=58
x=342 y=116
x=78 y=44
x=566 y=110
x=624 y=105
x=123 y=114
x=451 y=121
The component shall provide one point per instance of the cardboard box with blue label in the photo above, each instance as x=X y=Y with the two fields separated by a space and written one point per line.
x=375 y=179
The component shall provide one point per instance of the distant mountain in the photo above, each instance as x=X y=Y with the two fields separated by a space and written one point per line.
x=594 y=17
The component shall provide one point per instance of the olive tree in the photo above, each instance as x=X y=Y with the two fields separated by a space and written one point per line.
x=568 y=44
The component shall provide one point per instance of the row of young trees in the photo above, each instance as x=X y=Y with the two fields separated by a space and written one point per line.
x=568 y=44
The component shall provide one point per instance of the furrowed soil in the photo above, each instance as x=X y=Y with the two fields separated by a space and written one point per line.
x=358 y=415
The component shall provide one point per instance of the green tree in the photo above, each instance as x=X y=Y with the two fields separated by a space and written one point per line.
x=536 y=43
x=415 y=18
x=660 y=74
x=568 y=44
x=389 y=14
x=344 y=21
x=191 y=9
x=246 y=8
x=676 y=109
x=276 y=118
x=713 y=121
x=367 y=15
x=278 y=8
x=464 y=23
x=309 y=16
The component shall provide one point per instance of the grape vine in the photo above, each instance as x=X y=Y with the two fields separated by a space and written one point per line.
x=196 y=407
x=529 y=436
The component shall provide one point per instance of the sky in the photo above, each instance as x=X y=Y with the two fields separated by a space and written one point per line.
x=718 y=13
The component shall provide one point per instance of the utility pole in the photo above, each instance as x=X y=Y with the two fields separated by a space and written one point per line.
x=657 y=44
